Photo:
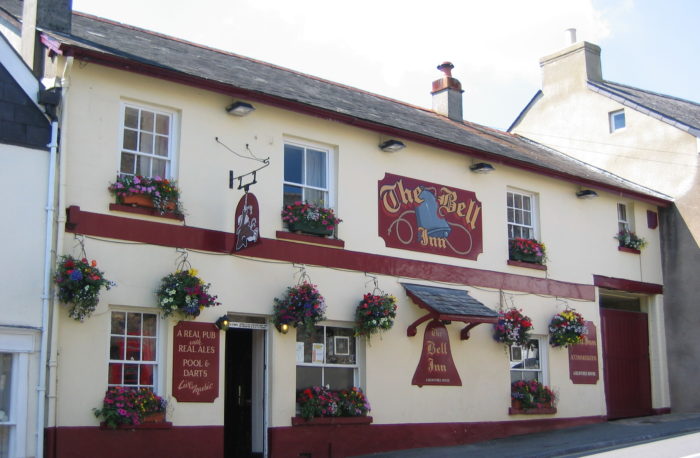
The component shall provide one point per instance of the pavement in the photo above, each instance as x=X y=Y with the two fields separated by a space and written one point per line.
x=569 y=442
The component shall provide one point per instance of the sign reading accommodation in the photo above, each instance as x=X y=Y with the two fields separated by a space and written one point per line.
x=436 y=366
x=422 y=216
x=583 y=358
x=195 y=362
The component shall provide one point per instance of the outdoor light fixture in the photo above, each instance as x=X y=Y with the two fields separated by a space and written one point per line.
x=586 y=194
x=240 y=108
x=222 y=323
x=481 y=167
x=391 y=146
x=283 y=328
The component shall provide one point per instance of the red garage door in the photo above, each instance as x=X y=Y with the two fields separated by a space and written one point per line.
x=626 y=363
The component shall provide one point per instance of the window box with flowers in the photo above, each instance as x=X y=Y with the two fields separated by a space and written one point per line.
x=320 y=406
x=630 y=242
x=310 y=219
x=302 y=306
x=512 y=328
x=375 y=313
x=127 y=407
x=566 y=328
x=159 y=194
x=531 y=397
x=527 y=253
x=79 y=284
x=184 y=293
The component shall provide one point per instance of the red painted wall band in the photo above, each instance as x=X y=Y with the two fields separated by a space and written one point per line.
x=163 y=234
x=631 y=286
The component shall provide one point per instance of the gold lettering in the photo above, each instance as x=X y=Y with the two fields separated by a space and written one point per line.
x=434 y=367
x=406 y=196
x=388 y=195
x=460 y=209
x=448 y=200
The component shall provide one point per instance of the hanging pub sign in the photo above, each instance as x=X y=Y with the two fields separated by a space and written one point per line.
x=583 y=358
x=422 y=216
x=195 y=362
x=247 y=216
x=436 y=366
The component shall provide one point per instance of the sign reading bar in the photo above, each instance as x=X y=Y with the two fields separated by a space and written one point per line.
x=195 y=362
x=436 y=366
x=422 y=216
x=583 y=358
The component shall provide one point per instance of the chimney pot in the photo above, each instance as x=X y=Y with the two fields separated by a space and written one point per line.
x=447 y=94
x=570 y=36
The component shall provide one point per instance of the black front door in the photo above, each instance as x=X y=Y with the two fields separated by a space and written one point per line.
x=238 y=394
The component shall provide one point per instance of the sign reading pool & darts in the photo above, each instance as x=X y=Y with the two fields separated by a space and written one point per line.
x=422 y=216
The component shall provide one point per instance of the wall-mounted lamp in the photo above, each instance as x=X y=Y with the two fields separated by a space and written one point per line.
x=586 y=194
x=240 y=108
x=482 y=167
x=283 y=328
x=222 y=323
x=391 y=146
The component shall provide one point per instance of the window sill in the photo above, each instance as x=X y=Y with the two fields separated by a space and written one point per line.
x=144 y=211
x=536 y=411
x=310 y=239
x=330 y=421
x=161 y=425
x=527 y=265
x=628 y=250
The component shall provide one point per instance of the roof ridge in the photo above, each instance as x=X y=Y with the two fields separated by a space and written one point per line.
x=658 y=94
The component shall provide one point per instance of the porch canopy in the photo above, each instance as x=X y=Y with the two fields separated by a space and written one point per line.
x=447 y=305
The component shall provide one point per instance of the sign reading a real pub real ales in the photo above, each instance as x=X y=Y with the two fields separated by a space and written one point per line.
x=422 y=216
x=583 y=358
x=195 y=362
x=436 y=366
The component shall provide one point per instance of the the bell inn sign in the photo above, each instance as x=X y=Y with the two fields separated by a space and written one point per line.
x=422 y=216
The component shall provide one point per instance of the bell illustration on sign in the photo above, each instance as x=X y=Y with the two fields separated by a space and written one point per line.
x=436 y=366
x=428 y=219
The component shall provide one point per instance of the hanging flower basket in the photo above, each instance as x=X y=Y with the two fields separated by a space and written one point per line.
x=375 y=313
x=566 y=328
x=512 y=328
x=152 y=192
x=302 y=307
x=183 y=292
x=629 y=239
x=310 y=219
x=531 y=394
x=79 y=284
x=130 y=406
x=527 y=250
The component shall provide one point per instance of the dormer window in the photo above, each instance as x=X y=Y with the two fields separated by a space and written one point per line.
x=617 y=120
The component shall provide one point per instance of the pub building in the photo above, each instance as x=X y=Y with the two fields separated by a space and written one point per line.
x=432 y=207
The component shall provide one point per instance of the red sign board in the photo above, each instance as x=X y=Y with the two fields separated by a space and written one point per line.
x=422 y=216
x=195 y=362
x=247 y=220
x=583 y=358
x=436 y=366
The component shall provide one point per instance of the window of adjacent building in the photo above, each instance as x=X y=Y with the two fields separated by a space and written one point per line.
x=528 y=362
x=147 y=142
x=623 y=217
x=7 y=414
x=521 y=215
x=133 y=349
x=306 y=174
x=617 y=120
x=327 y=357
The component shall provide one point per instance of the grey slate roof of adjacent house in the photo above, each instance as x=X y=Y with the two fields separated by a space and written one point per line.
x=140 y=50
x=448 y=301
x=680 y=113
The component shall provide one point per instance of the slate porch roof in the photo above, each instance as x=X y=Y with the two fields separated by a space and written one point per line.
x=448 y=301
x=133 y=49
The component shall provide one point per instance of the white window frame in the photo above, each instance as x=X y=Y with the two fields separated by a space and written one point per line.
x=613 y=116
x=358 y=357
x=158 y=366
x=543 y=346
x=330 y=167
x=533 y=226
x=171 y=165
x=624 y=221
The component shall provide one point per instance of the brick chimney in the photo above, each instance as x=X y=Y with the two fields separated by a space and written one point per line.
x=571 y=67
x=53 y=15
x=447 y=94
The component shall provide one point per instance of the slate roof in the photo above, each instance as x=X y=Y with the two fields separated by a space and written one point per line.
x=680 y=113
x=106 y=41
x=447 y=301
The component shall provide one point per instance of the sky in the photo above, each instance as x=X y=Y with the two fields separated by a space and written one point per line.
x=392 y=47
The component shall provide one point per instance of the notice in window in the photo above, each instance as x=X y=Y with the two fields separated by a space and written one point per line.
x=317 y=352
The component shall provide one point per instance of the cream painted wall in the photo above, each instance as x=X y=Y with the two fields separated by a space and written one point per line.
x=578 y=235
